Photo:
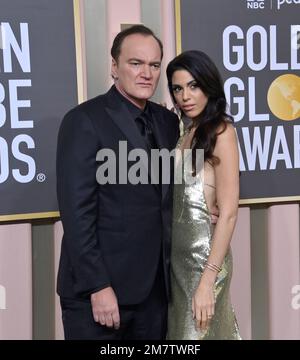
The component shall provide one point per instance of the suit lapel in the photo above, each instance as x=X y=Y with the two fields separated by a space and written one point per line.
x=121 y=116
x=161 y=134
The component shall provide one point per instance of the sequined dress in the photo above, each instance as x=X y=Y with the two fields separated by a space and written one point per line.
x=191 y=243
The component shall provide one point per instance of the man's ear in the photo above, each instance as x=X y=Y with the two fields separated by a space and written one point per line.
x=114 y=69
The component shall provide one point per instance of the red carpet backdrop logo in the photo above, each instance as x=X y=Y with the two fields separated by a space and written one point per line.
x=284 y=97
x=37 y=86
x=255 y=44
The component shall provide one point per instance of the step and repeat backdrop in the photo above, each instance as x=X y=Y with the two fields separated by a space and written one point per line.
x=256 y=46
x=38 y=84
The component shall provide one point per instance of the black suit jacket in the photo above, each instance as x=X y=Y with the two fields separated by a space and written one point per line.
x=113 y=233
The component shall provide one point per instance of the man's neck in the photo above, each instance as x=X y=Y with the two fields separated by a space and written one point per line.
x=140 y=103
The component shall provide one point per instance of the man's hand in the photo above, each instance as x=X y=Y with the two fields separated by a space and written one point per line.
x=214 y=215
x=105 y=308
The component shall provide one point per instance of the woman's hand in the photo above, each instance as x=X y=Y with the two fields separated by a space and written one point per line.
x=203 y=303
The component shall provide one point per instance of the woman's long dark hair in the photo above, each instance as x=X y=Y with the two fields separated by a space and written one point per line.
x=213 y=119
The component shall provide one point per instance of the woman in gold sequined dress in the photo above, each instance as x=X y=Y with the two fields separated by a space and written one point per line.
x=201 y=261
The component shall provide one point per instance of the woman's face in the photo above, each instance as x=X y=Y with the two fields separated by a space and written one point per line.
x=188 y=95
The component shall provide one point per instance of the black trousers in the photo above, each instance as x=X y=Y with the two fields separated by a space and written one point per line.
x=145 y=321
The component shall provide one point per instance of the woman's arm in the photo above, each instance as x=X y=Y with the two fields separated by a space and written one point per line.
x=227 y=196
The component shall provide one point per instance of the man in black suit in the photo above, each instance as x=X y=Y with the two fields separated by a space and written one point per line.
x=114 y=268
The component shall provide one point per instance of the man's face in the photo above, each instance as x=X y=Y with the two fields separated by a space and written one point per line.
x=138 y=68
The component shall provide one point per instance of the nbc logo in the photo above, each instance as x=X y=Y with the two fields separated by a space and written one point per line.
x=255 y=4
x=2 y=298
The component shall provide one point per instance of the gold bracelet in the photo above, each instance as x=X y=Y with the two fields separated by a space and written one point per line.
x=213 y=267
